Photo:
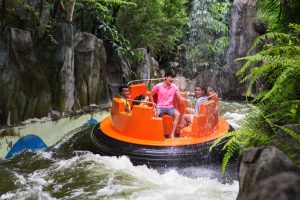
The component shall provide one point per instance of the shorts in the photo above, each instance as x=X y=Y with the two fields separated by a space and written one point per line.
x=166 y=111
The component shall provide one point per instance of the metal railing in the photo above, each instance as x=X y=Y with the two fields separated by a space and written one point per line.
x=138 y=101
x=209 y=89
x=144 y=80
x=150 y=80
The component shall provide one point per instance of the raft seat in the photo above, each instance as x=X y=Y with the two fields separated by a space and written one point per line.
x=167 y=124
x=140 y=123
x=136 y=90
x=168 y=120
x=204 y=123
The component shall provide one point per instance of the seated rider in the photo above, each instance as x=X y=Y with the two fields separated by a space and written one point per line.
x=143 y=100
x=166 y=92
x=124 y=96
x=202 y=96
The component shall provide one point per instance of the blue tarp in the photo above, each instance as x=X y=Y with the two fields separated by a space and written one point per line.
x=27 y=143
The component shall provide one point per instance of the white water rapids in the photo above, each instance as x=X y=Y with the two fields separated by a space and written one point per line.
x=66 y=172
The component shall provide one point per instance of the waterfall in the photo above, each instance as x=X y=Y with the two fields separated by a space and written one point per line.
x=208 y=35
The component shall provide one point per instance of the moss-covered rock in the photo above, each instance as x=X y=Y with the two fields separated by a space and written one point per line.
x=23 y=83
x=90 y=71
x=55 y=54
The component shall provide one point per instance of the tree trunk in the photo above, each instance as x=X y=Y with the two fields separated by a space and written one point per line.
x=69 y=10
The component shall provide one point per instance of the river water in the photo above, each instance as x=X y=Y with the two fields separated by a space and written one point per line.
x=68 y=170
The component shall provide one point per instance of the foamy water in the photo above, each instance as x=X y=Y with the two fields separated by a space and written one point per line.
x=67 y=171
x=233 y=112
x=90 y=176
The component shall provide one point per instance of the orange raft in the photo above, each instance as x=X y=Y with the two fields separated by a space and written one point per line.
x=142 y=137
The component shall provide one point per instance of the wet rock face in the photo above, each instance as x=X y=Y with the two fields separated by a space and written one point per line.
x=90 y=70
x=287 y=143
x=40 y=79
x=209 y=78
x=244 y=29
x=144 y=65
x=282 y=186
x=117 y=68
x=258 y=171
x=243 y=33
x=57 y=60
x=25 y=92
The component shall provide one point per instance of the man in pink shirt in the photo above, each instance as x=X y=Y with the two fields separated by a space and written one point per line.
x=165 y=95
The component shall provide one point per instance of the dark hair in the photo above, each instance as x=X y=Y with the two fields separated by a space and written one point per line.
x=138 y=99
x=203 y=89
x=122 y=87
x=170 y=73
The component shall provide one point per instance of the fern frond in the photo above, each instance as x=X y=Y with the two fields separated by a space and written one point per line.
x=246 y=66
x=284 y=85
x=266 y=59
x=260 y=112
x=290 y=132
x=289 y=112
x=289 y=50
x=230 y=152
x=262 y=93
x=258 y=73
x=279 y=37
x=232 y=141
x=217 y=141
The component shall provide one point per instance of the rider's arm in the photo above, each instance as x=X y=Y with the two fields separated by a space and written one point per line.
x=151 y=96
x=182 y=99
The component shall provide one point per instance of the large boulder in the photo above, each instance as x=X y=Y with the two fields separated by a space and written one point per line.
x=282 y=186
x=38 y=80
x=56 y=56
x=245 y=28
x=90 y=73
x=243 y=32
x=258 y=167
x=117 y=68
x=209 y=78
x=143 y=66
x=25 y=92
x=286 y=143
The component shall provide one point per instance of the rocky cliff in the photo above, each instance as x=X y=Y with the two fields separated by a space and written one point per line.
x=244 y=29
x=58 y=75
x=25 y=91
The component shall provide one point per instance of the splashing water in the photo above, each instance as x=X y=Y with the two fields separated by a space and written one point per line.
x=68 y=171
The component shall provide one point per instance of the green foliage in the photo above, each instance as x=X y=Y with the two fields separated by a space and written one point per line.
x=156 y=25
x=252 y=134
x=208 y=35
x=276 y=68
x=97 y=17
x=278 y=13
x=40 y=17
x=27 y=15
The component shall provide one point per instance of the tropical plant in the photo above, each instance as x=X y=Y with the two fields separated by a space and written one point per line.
x=277 y=69
x=39 y=17
x=207 y=37
x=98 y=17
x=250 y=135
x=279 y=13
x=156 y=25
